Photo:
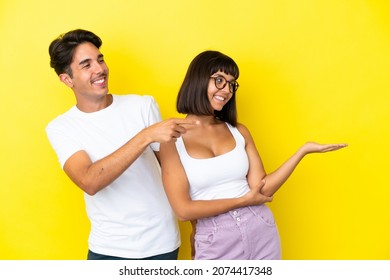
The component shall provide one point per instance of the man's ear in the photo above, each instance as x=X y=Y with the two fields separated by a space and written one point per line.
x=66 y=79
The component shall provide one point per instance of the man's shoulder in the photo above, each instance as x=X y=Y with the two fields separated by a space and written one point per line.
x=134 y=100
x=60 y=118
x=134 y=97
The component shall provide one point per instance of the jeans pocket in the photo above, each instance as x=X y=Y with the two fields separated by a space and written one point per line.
x=203 y=239
x=264 y=214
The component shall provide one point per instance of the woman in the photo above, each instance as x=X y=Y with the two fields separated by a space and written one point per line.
x=213 y=173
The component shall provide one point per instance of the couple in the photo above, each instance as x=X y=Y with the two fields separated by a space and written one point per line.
x=115 y=148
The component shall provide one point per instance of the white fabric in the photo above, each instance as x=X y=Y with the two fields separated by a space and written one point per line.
x=130 y=218
x=218 y=177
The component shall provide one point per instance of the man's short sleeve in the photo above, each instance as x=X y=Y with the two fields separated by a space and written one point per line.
x=64 y=146
x=154 y=117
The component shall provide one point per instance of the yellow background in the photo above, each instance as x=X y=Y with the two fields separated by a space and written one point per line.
x=310 y=70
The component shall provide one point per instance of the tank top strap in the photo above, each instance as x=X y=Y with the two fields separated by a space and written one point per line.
x=236 y=134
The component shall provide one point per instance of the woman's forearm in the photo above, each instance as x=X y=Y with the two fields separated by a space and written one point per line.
x=188 y=209
x=278 y=177
x=197 y=209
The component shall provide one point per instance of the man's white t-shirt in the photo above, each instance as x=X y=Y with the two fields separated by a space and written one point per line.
x=131 y=217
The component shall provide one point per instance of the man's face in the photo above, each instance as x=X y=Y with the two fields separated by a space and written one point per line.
x=90 y=72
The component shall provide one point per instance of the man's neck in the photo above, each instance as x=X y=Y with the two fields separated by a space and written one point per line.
x=89 y=105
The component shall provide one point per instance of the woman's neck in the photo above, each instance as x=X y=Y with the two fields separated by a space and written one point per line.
x=203 y=120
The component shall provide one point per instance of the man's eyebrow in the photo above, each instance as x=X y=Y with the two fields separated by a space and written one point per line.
x=85 y=61
x=88 y=60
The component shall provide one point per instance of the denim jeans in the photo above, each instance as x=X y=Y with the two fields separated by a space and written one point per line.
x=247 y=233
x=167 y=256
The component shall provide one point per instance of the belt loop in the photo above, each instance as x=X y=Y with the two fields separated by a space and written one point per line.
x=252 y=210
x=214 y=222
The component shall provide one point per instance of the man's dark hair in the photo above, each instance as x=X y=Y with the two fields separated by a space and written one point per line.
x=61 y=50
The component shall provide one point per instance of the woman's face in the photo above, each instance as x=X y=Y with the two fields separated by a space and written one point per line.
x=220 y=89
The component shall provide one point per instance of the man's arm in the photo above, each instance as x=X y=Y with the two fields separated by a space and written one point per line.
x=92 y=177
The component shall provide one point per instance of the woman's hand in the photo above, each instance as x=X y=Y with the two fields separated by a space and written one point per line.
x=313 y=147
x=255 y=197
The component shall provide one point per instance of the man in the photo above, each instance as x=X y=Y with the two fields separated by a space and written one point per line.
x=107 y=144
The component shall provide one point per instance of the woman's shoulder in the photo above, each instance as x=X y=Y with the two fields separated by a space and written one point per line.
x=242 y=129
x=244 y=132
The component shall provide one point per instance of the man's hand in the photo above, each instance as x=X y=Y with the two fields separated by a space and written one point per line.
x=168 y=130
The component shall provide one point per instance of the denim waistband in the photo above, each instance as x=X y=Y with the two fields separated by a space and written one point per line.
x=231 y=218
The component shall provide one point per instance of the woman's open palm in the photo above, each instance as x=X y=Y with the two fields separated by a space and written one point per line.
x=313 y=147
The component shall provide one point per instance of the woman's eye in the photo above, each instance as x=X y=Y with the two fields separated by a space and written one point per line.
x=219 y=80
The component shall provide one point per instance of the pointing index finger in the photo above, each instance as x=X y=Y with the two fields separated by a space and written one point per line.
x=186 y=122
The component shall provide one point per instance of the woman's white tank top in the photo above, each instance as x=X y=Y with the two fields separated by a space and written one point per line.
x=219 y=177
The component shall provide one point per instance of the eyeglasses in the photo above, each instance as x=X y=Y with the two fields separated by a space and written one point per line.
x=220 y=83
